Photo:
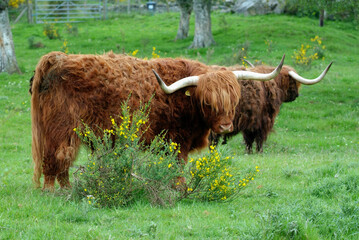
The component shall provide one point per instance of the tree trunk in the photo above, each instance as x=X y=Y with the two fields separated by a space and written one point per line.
x=185 y=13
x=8 y=61
x=203 y=32
x=321 y=18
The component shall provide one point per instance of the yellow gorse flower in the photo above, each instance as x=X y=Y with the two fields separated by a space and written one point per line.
x=135 y=52
x=154 y=54
x=216 y=169
x=16 y=3
x=306 y=54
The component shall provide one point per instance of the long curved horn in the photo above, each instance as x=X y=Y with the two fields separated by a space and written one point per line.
x=247 y=75
x=248 y=62
x=309 y=81
x=184 y=82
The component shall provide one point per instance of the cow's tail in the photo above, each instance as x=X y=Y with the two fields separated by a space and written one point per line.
x=39 y=86
x=37 y=139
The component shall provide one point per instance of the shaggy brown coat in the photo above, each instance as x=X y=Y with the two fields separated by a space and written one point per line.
x=259 y=106
x=69 y=89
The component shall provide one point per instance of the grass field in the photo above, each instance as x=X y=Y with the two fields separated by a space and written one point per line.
x=308 y=187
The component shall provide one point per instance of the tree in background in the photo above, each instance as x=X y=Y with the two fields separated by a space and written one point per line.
x=203 y=30
x=8 y=61
x=322 y=6
x=185 y=7
x=335 y=9
x=349 y=10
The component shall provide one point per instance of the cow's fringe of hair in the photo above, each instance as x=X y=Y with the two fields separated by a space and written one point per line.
x=215 y=89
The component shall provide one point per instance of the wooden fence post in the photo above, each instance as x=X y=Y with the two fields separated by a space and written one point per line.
x=105 y=9
x=29 y=12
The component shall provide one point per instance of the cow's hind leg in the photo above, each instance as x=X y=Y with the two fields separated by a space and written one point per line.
x=58 y=159
x=49 y=182
x=50 y=170
x=65 y=156
x=259 y=142
x=64 y=179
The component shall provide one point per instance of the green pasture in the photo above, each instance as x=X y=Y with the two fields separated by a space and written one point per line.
x=308 y=186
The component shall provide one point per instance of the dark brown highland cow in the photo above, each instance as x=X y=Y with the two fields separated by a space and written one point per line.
x=69 y=89
x=260 y=103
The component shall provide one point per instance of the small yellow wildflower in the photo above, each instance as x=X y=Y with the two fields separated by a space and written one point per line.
x=135 y=52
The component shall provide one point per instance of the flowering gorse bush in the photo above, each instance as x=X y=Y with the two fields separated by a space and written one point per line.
x=212 y=178
x=134 y=53
x=121 y=168
x=239 y=55
x=154 y=54
x=318 y=47
x=70 y=29
x=64 y=47
x=269 y=44
x=16 y=3
x=51 y=31
x=308 y=53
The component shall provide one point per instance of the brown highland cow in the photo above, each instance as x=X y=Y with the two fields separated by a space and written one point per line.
x=69 y=89
x=260 y=103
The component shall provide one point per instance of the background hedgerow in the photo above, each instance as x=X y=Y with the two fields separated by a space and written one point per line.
x=121 y=169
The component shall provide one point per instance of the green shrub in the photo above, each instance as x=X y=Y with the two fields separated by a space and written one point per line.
x=308 y=53
x=64 y=47
x=51 y=31
x=72 y=30
x=239 y=54
x=33 y=44
x=212 y=178
x=121 y=169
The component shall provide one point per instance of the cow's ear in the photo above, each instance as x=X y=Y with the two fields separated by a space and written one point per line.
x=187 y=93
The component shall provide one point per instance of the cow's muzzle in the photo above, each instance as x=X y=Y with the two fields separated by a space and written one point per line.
x=226 y=128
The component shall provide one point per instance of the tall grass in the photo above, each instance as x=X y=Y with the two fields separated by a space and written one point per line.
x=308 y=187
